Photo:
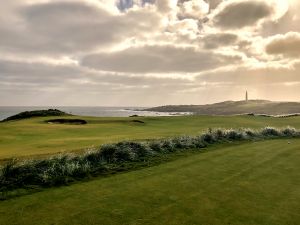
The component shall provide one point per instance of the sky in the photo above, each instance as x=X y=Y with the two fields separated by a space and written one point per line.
x=148 y=52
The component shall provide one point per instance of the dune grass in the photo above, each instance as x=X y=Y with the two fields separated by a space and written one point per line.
x=254 y=183
x=123 y=156
x=32 y=137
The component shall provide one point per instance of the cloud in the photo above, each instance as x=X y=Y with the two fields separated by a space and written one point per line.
x=239 y=14
x=41 y=83
x=48 y=75
x=113 y=52
x=187 y=27
x=40 y=74
x=158 y=59
x=287 y=44
x=213 y=3
x=253 y=77
x=70 y=27
x=219 y=40
x=127 y=4
x=166 y=6
x=193 y=9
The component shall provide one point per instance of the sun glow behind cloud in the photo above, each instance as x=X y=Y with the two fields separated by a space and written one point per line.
x=283 y=7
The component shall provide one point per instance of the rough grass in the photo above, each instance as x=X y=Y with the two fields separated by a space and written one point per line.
x=63 y=169
x=254 y=183
x=32 y=137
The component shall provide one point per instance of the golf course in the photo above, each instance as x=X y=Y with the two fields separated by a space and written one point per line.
x=244 y=181
x=32 y=137
x=248 y=183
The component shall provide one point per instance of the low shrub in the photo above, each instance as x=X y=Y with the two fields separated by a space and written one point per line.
x=249 y=133
x=93 y=157
x=140 y=149
x=168 y=145
x=290 y=132
x=63 y=169
x=156 y=146
x=271 y=131
x=108 y=152
x=185 y=142
x=219 y=134
x=124 y=154
x=233 y=135
x=208 y=138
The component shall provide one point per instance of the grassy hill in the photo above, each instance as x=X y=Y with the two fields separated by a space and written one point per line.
x=35 y=136
x=253 y=183
x=235 y=107
x=35 y=113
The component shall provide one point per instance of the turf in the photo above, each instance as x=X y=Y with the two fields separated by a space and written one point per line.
x=249 y=183
x=36 y=137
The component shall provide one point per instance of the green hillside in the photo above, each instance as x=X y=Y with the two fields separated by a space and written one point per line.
x=35 y=113
x=235 y=107
x=252 y=183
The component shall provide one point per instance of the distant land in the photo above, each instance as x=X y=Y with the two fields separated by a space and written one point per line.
x=234 y=107
x=35 y=113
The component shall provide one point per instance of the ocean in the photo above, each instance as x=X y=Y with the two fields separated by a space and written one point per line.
x=6 y=111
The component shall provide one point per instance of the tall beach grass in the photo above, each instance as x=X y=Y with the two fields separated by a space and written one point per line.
x=63 y=169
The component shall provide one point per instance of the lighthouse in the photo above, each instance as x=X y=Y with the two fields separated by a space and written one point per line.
x=246 y=98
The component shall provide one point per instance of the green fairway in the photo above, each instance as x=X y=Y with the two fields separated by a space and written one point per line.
x=251 y=183
x=35 y=137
